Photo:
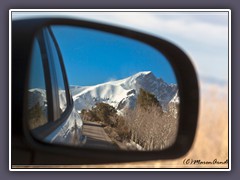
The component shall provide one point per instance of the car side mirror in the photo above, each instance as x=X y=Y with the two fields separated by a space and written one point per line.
x=147 y=106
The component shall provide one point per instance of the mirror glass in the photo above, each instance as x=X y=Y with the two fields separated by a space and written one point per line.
x=124 y=92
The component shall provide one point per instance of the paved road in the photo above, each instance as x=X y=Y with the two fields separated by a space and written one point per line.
x=96 y=137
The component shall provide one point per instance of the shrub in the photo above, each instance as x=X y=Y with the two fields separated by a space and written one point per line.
x=36 y=117
x=122 y=128
x=88 y=115
x=146 y=100
x=104 y=111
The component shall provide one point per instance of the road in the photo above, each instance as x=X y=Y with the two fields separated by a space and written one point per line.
x=96 y=137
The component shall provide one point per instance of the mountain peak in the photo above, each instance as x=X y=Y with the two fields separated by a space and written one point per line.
x=143 y=73
x=123 y=93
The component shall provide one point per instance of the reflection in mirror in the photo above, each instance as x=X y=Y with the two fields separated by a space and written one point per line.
x=37 y=97
x=124 y=91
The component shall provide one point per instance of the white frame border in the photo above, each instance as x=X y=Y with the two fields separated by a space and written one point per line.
x=123 y=10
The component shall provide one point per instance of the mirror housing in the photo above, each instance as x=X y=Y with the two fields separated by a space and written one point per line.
x=27 y=150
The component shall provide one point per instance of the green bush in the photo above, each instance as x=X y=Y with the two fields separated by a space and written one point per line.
x=88 y=115
x=104 y=111
x=146 y=100
x=101 y=112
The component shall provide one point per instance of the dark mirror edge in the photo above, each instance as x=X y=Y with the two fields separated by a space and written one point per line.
x=188 y=91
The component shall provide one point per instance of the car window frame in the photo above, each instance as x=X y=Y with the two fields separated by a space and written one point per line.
x=44 y=69
x=55 y=118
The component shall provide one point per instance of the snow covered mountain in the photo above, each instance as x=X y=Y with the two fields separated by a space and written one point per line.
x=37 y=95
x=123 y=93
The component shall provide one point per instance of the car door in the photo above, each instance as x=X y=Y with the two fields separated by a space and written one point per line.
x=52 y=117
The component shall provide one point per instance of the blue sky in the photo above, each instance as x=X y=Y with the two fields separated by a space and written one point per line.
x=202 y=35
x=92 y=57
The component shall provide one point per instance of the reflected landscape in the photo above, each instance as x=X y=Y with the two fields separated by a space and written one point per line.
x=138 y=112
x=124 y=92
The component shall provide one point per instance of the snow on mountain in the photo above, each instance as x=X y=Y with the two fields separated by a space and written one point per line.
x=62 y=99
x=123 y=93
x=35 y=96
x=173 y=105
x=175 y=99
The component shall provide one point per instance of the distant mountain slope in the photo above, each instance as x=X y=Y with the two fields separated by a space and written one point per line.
x=123 y=93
